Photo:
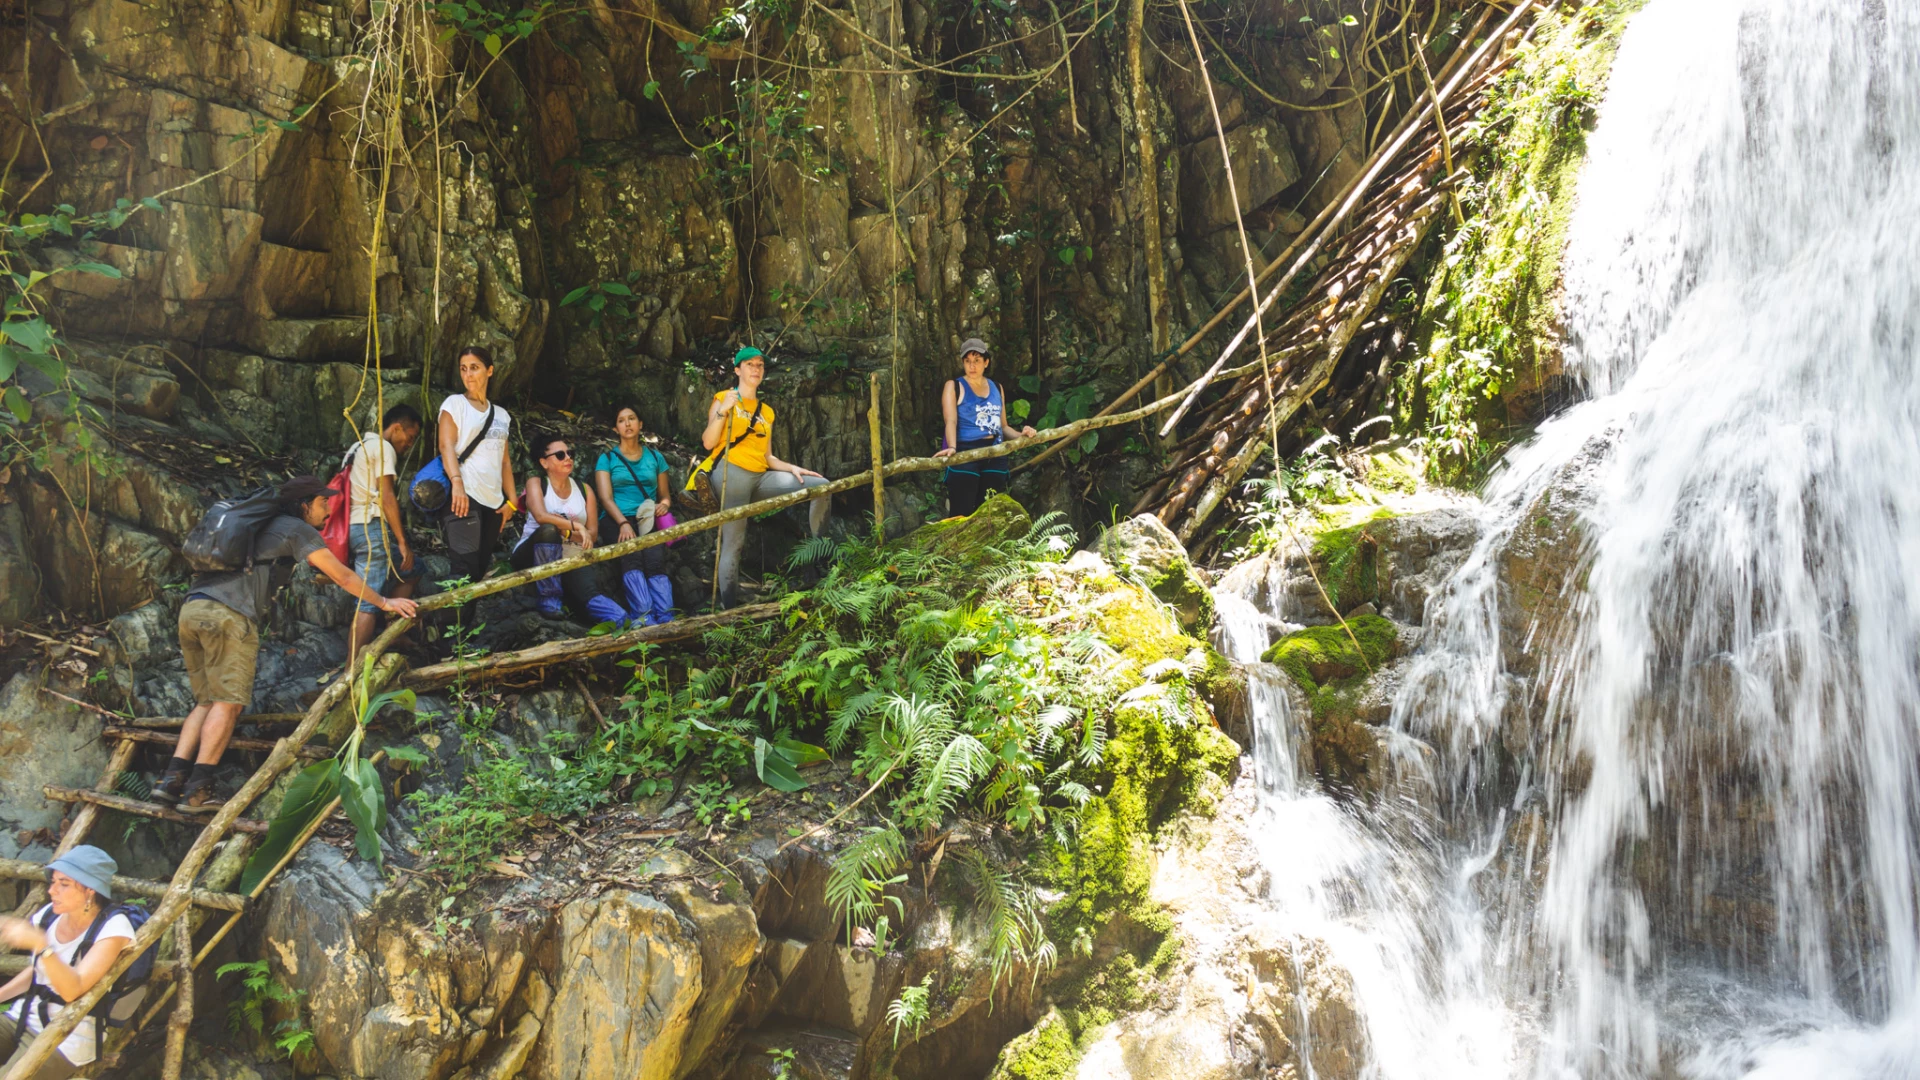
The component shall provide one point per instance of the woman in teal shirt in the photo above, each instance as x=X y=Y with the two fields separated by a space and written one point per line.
x=634 y=486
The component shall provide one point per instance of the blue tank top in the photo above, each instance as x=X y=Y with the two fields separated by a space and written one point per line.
x=979 y=416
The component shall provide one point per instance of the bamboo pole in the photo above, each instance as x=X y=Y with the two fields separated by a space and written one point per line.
x=1381 y=159
x=162 y=737
x=879 y=469
x=219 y=935
x=1240 y=297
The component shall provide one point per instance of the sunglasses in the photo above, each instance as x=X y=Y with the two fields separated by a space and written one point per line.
x=561 y=455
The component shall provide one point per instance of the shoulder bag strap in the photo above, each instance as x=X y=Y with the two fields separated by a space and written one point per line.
x=485 y=426
x=751 y=420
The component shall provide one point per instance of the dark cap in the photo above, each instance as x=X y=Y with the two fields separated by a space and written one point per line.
x=303 y=489
x=974 y=344
x=746 y=353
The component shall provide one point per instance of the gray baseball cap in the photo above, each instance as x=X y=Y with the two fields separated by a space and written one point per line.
x=974 y=344
x=89 y=866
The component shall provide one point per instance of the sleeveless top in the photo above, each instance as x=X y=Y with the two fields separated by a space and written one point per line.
x=979 y=416
x=573 y=507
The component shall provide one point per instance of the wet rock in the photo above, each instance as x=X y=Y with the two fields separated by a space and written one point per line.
x=1392 y=564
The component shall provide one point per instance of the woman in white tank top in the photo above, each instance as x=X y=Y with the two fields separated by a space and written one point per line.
x=559 y=511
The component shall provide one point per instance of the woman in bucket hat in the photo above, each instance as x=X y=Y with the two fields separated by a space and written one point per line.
x=80 y=892
x=976 y=415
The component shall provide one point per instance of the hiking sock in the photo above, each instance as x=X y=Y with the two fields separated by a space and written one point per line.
x=172 y=783
x=201 y=777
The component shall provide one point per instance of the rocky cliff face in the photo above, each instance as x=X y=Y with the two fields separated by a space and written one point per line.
x=326 y=199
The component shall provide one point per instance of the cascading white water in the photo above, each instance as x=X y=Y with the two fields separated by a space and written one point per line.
x=1726 y=752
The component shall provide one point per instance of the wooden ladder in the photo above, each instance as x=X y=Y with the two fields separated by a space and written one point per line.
x=173 y=974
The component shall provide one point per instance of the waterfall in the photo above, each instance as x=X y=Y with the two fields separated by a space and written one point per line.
x=1721 y=741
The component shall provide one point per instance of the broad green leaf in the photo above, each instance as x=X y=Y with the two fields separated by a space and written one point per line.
x=800 y=753
x=9 y=359
x=46 y=365
x=102 y=269
x=312 y=789
x=32 y=333
x=615 y=288
x=574 y=296
x=492 y=42
x=151 y=203
x=366 y=806
x=16 y=403
x=1088 y=441
x=774 y=768
x=651 y=89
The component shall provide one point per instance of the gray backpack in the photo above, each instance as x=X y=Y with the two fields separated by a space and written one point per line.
x=223 y=540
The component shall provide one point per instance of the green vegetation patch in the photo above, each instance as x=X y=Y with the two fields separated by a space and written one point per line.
x=1323 y=660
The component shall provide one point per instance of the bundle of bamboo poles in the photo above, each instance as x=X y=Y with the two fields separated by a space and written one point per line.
x=1368 y=236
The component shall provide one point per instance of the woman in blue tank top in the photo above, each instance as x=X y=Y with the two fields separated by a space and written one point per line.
x=976 y=416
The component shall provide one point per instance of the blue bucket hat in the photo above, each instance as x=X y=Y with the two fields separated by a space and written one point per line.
x=89 y=866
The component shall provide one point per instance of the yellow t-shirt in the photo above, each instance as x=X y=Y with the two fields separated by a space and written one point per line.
x=751 y=453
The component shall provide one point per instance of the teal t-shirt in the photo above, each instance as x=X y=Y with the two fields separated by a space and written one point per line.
x=632 y=486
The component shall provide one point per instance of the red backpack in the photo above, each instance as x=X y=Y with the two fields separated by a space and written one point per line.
x=340 y=512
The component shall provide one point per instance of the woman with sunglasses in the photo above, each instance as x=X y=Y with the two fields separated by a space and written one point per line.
x=558 y=513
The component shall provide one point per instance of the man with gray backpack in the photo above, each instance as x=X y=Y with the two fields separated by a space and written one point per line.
x=243 y=552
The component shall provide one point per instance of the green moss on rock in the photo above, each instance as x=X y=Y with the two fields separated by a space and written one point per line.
x=962 y=539
x=1048 y=1051
x=1323 y=660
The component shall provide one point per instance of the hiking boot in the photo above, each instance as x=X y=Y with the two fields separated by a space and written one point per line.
x=201 y=801
x=169 y=790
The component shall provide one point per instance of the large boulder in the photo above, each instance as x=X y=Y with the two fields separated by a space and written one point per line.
x=1143 y=548
x=629 y=976
x=388 y=993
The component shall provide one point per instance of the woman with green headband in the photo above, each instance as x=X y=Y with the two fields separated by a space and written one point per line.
x=739 y=435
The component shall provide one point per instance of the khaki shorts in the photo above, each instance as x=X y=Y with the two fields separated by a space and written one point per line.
x=220 y=646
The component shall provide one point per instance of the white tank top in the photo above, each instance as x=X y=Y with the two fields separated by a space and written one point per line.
x=573 y=507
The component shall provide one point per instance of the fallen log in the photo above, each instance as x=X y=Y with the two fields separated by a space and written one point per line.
x=494 y=666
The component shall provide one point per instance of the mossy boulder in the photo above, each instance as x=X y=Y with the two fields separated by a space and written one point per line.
x=1145 y=550
x=1048 y=1051
x=1332 y=665
x=965 y=539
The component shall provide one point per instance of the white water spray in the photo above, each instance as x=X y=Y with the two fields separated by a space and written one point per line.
x=1725 y=744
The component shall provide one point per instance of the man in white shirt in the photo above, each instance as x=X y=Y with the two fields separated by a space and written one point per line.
x=376 y=538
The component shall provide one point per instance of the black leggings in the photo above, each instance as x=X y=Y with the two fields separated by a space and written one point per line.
x=969 y=485
x=470 y=541
x=649 y=561
x=578 y=586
